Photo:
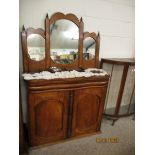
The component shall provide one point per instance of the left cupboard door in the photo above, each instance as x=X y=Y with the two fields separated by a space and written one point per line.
x=48 y=115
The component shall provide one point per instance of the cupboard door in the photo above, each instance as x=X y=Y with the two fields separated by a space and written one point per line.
x=48 y=117
x=87 y=110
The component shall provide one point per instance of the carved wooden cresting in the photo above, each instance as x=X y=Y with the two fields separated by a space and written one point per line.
x=59 y=109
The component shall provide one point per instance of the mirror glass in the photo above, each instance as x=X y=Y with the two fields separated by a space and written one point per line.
x=89 y=48
x=64 y=38
x=36 y=47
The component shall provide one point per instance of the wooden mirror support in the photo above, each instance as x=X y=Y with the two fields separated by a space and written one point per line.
x=30 y=65
x=45 y=64
x=94 y=63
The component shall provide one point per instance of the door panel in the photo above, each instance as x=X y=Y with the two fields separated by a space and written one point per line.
x=86 y=115
x=87 y=110
x=48 y=117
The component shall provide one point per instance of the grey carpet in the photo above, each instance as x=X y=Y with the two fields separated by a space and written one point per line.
x=123 y=130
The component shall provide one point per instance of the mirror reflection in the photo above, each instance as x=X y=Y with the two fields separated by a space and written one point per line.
x=89 y=48
x=64 y=38
x=36 y=47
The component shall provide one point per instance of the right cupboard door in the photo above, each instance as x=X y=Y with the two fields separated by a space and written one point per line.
x=88 y=106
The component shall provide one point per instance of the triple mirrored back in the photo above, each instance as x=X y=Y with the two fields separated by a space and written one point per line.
x=64 y=44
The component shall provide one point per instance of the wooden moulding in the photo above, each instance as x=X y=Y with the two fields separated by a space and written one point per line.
x=30 y=65
x=37 y=66
x=47 y=42
x=94 y=62
x=71 y=17
x=76 y=83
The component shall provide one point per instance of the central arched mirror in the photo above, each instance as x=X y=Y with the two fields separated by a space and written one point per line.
x=36 y=47
x=64 y=41
x=89 y=45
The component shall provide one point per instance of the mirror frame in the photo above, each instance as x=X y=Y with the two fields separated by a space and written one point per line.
x=79 y=24
x=93 y=62
x=30 y=65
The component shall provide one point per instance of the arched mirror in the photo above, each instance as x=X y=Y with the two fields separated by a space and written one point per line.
x=89 y=45
x=36 y=47
x=64 y=40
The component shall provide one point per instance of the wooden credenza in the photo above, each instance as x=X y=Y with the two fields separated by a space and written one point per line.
x=59 y=108
x=65 y=108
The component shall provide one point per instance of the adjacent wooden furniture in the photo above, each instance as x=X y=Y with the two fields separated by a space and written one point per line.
x=120 y=99
x=62 y=108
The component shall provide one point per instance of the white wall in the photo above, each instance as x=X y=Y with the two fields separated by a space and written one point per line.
x=114 y=19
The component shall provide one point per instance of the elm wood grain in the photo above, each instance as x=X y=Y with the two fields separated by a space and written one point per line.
x=44 y=107
x=81 y=29
x=48 y=114
x=97 y=63
x=70 y=113
x=24 y=50
x=47 y=42
x=60 y=85
x=67 y=85
x=94 y=63
x=30 y=65
x=87 y=110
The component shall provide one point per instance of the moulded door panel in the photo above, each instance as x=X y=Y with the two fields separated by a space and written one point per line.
x=48 y=117
x=87 y=110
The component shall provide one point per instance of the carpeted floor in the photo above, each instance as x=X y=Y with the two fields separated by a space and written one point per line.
x=123 y=130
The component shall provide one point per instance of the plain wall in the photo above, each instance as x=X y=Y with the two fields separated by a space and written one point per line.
x=114 y=19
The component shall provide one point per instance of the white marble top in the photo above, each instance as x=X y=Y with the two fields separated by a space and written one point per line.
x=64 y=74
